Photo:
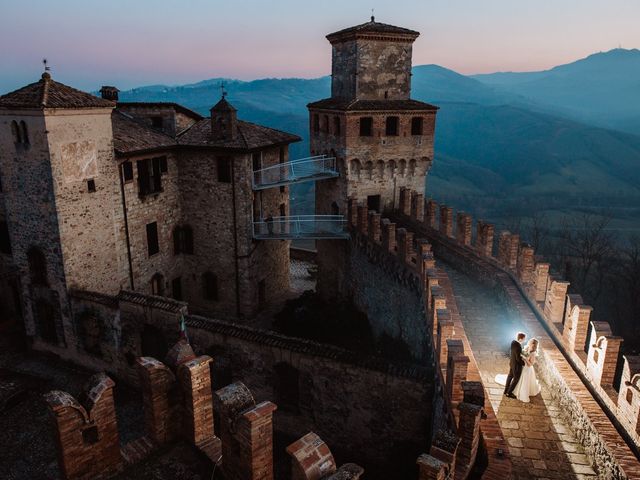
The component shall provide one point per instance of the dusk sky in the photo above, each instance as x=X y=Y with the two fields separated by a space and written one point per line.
x=138 y=42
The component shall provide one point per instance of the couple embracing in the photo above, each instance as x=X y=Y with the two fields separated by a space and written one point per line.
x=521 y=381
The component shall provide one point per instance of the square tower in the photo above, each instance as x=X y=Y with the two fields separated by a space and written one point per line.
x=381 y=138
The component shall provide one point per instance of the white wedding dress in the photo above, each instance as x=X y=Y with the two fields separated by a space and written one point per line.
x=528 y=385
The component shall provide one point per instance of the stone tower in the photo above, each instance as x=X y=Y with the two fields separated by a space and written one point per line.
x=60 y=193
x=381 y=138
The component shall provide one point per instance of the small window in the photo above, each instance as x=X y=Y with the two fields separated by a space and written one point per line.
x=25 y=134
x=5 y=242
x=15 y=131
x=152 y=238
x=156 y=122
x=596 y=356
x=336 y=125
x=37 y=266
x=391 y=129
x=163 y=164
x=256 y=160
x=157 y=285
x=149 y=176
x=282 y=155
x=176 y=288
x=224 y=169
x=183 y=240
x=366 y=126
x=283 y=210
x=416 y=126
x=629 y=396
x=127 y=171
x=316 y=124
x=90 y=435
x=209 y=286
x=91 y=185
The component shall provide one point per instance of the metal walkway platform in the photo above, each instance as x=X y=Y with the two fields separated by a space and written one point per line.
x=302 y=226
x=301 y=170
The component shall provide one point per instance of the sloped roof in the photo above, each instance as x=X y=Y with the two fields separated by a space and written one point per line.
x=249 y=136
x=47 y=93
x=373 y=27
x=223 y=106
x=130 y=136
x=175 y=106
x=370 y=105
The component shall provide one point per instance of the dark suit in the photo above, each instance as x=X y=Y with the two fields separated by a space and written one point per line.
x=515 y=367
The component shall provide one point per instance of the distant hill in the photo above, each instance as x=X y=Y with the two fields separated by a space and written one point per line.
x=602 y=89
x=497 y=152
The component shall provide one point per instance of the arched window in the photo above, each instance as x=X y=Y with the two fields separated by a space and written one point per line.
x=183 y=240
x=369 y=169
x=380 y=168
x=412 y=167
x=391 y=126
x=355 y=168
x=15 y=131
x=402 y=167
x=629 y=396
x=391 y=167
x=157 y=285
x=37 y=266
x=209 y=286
x=336 y=125
x=25 y=134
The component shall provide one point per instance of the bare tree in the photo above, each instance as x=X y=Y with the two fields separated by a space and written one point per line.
x=588 y=244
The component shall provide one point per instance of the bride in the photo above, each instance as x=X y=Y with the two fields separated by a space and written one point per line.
x=528 y=385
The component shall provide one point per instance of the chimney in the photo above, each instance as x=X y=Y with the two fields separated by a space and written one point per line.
x=109 y=93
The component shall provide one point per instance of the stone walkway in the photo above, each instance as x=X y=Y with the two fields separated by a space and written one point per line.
x=541 y=445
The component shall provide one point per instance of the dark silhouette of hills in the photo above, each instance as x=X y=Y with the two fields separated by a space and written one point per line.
x=602 y=89
x=500 y=150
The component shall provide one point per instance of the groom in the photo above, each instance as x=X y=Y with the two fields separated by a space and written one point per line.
x=515 y=365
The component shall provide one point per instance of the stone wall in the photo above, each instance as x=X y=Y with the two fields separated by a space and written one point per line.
x=390 y=295
x=368 y=409
x=604 y=419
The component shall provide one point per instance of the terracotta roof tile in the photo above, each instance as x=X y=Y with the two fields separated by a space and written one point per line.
x=130 y=136
x=47 y=93
x=370 y=105
x=372 y=27
x=249 y=136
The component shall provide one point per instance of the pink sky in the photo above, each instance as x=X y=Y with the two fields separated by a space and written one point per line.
x=90 y=43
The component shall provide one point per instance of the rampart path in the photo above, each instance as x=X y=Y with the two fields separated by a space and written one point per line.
x=540 y=443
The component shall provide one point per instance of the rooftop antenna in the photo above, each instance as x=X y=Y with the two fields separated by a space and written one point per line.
x=373 y=18
x=223 y=92
x=46 y=67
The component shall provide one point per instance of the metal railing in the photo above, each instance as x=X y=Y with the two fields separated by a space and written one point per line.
x=301 y=226
x=296 y=171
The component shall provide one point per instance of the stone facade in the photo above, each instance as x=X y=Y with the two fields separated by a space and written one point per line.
x=96 y=199
x=382 y=140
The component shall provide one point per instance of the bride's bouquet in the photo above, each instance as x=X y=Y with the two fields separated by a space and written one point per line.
x=525 y=354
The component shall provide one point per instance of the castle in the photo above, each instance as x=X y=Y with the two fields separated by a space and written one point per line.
x=124 y=223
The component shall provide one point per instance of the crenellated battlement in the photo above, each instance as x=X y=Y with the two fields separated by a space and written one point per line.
x=179 y=404
x=581 y=355
x=409 y=257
